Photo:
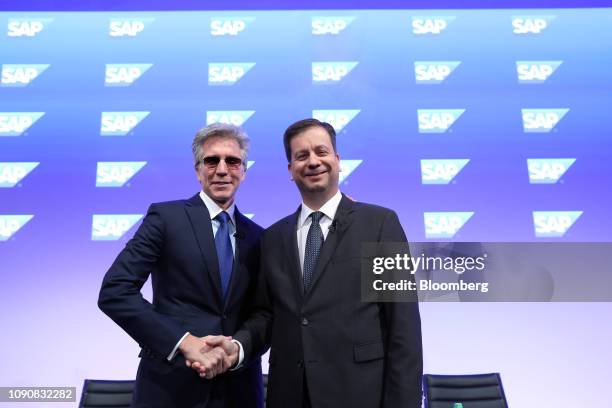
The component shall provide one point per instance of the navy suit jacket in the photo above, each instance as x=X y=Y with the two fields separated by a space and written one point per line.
x=175 y=246
x=349 y=353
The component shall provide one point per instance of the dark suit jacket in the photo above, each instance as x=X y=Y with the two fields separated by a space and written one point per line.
x=350 y=353
x=175 y=245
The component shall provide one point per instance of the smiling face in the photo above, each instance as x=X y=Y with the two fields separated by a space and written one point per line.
x=314 y=165
x=220 y=181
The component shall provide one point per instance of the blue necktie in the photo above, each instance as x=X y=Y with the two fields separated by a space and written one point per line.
x=314 y=242
x=225 y=253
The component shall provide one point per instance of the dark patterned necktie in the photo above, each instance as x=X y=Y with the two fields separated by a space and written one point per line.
x=314 y=242
x=225 y=253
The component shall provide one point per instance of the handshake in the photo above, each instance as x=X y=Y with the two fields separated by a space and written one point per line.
x=209 y=355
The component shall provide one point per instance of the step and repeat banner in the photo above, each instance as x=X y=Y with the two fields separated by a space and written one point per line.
x=473 y=125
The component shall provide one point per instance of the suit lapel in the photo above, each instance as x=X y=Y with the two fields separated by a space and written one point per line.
x=202 y=228
x=241 y=240
x=341 y=222
x=289 y=238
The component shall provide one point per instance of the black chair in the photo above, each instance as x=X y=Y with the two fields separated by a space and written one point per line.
x=103 y=393
x=466 y=391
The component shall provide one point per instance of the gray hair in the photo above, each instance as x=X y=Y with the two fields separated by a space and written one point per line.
x=220 y=130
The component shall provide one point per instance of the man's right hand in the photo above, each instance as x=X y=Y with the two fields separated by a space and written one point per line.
x=210 y=360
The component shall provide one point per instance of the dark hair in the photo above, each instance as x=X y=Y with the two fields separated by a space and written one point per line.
x=302 y=125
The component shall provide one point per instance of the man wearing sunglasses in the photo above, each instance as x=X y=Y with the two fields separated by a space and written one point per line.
x=203 y=257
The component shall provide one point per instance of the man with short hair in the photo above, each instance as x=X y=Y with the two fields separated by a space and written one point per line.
x=203 y=257
x=328 y=348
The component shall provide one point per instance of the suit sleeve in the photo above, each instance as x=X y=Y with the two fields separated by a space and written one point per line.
x=120 y=296
x=404 y=356
x=254 y=335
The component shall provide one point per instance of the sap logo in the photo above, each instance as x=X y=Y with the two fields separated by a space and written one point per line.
x=430 y=24
x=347 y=167
x=329 y=72
x=13 y=173
x=445 y=224
x=535 y=72
x=10 y=224
x=437 y=120
x=22 y=27
x=21 y=74
x=16 y=123
x=433 y=72
x=120 y=123
x=553 y=224
x=250 y=163
x=530 y=24
x=229 y=26
x=337 y=118
x=541 y=120
x=441 y=171
x=249 y=216
x=124 y=74
x=227 y=73
x=112 y=227
x=121 y=27
x=547 y=171
x=116 y=174
x=236 y=118
x=329 y=25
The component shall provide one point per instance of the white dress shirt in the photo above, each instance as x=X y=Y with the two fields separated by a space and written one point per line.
x=304 y=221
x=213 y=210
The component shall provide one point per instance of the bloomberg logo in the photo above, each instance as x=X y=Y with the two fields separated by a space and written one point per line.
x=10 y=224
x=331 y=72
x=111 y=227
x=530 y=24
x=338 y=118
x=553 y=224
x=535 y=72
x=229 y=26
x=234 y=117
x=116 y=174
x=330 y=25
x=432 y=25
x=547 y=171
x=15 y=75
x=120 y=123
x=441 y=171
x=124 y=74
x=433 y=72
x=17 y=123
x=227 y=73
x=127 y=27
x=27 y=27
x=12 y=173
x=437 y=120
x=445 y=224
x=541 y=120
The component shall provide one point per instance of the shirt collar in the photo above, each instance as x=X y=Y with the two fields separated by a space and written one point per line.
x=328 y=209
x=214 y=209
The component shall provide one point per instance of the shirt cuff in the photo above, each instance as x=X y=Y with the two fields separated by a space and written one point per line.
x=240 y=355
x=175 y=349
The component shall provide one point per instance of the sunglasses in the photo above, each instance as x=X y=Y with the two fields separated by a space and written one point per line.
x=231 y=162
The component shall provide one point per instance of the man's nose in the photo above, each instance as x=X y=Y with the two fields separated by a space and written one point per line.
x=313 y=160
x=222 y=168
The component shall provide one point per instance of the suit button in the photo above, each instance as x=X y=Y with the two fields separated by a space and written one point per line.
x=304 y=321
